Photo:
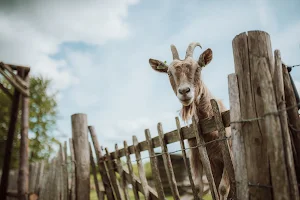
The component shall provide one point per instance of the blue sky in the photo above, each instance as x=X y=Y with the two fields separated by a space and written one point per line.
x=97 y=53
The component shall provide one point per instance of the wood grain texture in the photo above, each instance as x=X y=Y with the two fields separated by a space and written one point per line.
x=168 y=163
x=9 y=144
x=255 y=145
x=206 y=126
x=238 y=143
x=293 y=118
x=82 y=156
x=112 y=176
x=123 y=182
x=226 y=151
x=65 y=171
x=72 y=171
x=130 y=171
x=197 y=193
x=24 y=142
x=101 y=165
x=140 y=166
x=288 y=152
x=205 y=160
x=94 y=171
x=154 y=167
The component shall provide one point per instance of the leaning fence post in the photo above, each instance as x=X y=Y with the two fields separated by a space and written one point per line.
x=82 y=155
x=280 y=98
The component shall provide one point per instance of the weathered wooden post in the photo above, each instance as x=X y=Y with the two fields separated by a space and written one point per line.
x=82 y=155
x=24 y=142
x=261 y=129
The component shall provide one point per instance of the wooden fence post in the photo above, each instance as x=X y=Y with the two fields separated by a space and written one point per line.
x=254 y=66
x=238 y=146
x=82 y=155
x=24 y=143
x=256 y=150
x=293 y=116
x=280 y=98
x=9 y=144
x=101 y=165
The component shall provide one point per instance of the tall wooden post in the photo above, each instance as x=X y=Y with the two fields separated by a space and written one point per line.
x=82 y=156
x=261 y=128
x=9 y=144
x=23 y=165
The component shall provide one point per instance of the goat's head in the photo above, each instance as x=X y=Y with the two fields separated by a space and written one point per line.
x=184 y=75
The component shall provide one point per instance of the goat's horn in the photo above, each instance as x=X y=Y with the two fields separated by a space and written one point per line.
x=174 y=52
x=190 y=49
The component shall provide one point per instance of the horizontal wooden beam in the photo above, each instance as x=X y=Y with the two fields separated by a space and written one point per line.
x=16 y=67
x=13 y=75
x=207 y=126
x=24 y=91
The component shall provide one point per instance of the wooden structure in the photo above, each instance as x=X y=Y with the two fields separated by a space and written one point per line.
x=18 y=77
x=265 y=128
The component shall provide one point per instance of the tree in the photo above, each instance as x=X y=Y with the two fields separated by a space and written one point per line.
x=43 y=115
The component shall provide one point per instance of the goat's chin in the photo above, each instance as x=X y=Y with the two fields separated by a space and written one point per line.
x=186 y=102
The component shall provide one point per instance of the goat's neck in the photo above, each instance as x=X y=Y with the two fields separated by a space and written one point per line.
x=203 y=106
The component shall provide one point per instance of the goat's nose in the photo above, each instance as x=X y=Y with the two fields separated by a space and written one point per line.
x=184 y=91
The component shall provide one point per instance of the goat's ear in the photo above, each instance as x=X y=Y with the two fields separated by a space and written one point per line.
x=158 y=65
x=205 y=58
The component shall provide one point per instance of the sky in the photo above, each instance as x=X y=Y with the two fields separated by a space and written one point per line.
x=97 y=52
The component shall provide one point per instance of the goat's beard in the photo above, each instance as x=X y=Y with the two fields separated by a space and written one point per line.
x=187 y=112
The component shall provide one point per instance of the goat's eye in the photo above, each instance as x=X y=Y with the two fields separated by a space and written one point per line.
x=170 y=74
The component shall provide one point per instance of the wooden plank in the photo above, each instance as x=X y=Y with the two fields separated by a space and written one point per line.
x=226 y=151
x=24 y=143
x=9 y=144
x=255 y=145
x=102 y=170
x=261 y=61
x=40 y=177
x=293 y=118
x=141 y=169
x=206 y=125
x=73 y=177
x=131 y=175
x=168 y=163
x=112 y=175
x=32 y=176
x=280 y=98
x=196 y=193
x=205 y=160
x=65 y=171
x=123 y=182
x=59 y=176
x=154 y=167
x=82 y=156
x=94 y=171
x=238 y=144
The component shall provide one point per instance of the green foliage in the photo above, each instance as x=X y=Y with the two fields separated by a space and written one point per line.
x=43 y=114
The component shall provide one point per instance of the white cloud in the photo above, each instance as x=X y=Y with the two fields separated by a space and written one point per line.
x=33 y=31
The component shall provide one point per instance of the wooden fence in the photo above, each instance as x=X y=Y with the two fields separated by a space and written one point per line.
x=265 y=128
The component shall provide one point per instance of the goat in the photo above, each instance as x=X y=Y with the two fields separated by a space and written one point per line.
x=185 y=79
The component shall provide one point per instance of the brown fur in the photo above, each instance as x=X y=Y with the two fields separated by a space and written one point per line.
x=196 y=102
